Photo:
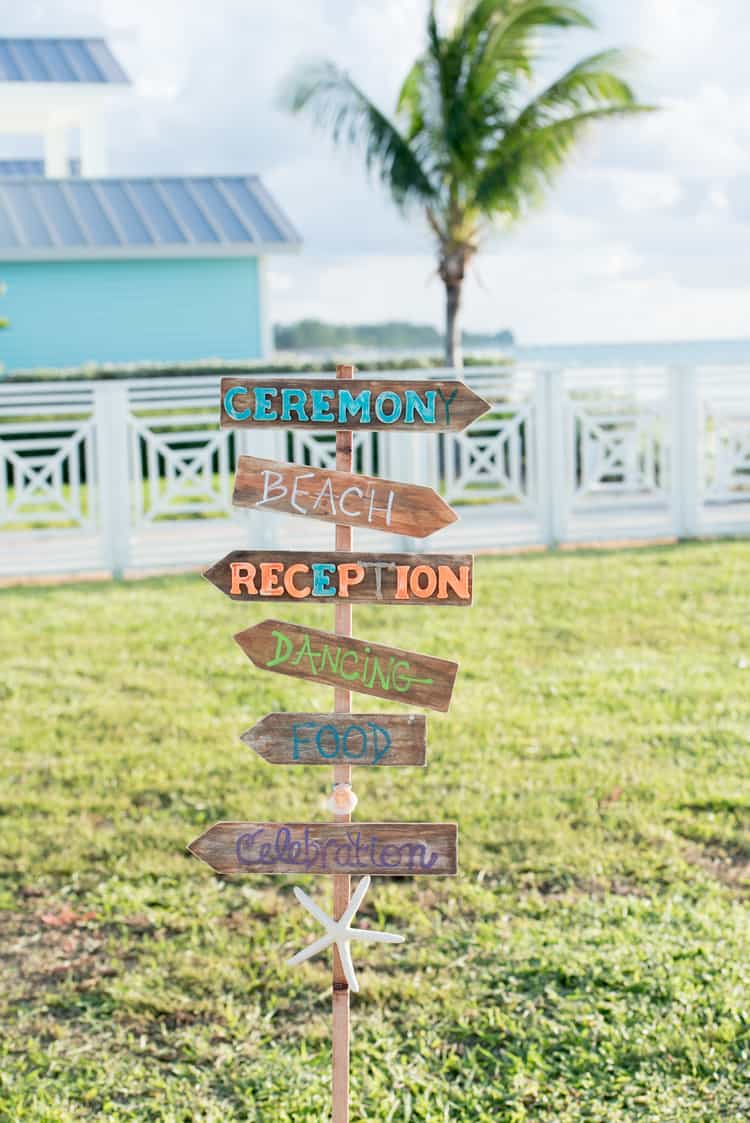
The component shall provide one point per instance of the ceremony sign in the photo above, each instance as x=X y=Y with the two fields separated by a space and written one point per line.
x=339 y=497
x=359 y=578
x=319 y=403
x=393 y=849
x=372 y=739
x=367 y=668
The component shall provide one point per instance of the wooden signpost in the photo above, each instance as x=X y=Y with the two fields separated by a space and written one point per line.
x=289 y=575
x=338 y=497
x=320 y=403
x=372 y=739
x=342 y=738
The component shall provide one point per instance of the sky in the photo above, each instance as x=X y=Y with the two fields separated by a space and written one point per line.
x=646 y=236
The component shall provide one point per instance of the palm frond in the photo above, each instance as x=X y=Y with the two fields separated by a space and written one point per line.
x=500 y=34
x=526 y=163
x=338 y=106
x=590 y=82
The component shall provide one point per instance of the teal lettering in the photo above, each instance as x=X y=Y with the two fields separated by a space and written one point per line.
x=236 y=415
x=263 y=411
x=293 y=401
x=446 y=403
x=348 y=404
x=319 y=742
x=322 y=579
x=297 y=740
x=321 y=410
x=425 y=409
x=395 y=400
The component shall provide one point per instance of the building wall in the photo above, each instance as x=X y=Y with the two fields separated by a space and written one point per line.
x=68 y=313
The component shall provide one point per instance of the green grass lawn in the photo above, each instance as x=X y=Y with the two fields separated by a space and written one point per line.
x=590 y=961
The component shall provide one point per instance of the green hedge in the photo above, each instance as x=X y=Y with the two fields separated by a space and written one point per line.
x=113 y=371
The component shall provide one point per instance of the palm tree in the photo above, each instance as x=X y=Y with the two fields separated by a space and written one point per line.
x=470 y=143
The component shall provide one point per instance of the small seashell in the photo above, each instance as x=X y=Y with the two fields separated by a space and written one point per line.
x=342 y=800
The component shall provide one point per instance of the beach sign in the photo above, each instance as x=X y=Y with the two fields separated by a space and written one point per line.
x=360 y=739
x=324 y=403
x=339 y=497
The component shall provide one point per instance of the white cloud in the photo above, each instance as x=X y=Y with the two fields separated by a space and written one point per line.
x=645 y=235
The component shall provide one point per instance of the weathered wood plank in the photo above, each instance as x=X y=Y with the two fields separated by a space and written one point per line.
x=367 y=668
x=362 y=739
x=339 y=497
x=320 y=403
x=292 y=575
x=394 y=849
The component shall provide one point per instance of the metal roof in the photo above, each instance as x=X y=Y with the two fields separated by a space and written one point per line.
x=59 y=60
x=167 y=216
x=27 y=167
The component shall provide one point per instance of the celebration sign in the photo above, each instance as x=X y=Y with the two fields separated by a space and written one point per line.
x=394 y=849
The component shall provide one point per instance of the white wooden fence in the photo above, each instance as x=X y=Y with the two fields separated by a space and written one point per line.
x=129 y=476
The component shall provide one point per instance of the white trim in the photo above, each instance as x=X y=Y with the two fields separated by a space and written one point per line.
x=137 y=253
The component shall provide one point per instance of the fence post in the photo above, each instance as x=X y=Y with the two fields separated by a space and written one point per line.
x=113 y=474
x=687 y=451
x=262 y=531
x=550 y=455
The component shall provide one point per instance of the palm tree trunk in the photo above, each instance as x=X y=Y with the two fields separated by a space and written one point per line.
x=453 y=353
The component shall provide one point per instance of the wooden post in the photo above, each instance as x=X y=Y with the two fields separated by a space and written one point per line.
x=342 y=774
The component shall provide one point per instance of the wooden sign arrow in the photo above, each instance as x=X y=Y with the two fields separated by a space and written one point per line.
x=372 y=739
x=322 y=403
x=340 y=497
x=367 y=668
x=394 y=849
x=248 y=575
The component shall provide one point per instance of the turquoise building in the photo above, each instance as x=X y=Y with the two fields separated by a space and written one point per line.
x=100 y=269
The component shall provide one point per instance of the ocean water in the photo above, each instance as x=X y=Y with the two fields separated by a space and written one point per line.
x=689 y=353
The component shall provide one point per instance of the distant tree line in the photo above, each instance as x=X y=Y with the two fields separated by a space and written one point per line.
x=306 y=335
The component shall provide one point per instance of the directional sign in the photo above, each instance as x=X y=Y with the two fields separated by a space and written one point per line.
x=368 y=668
x=394 y=849
x=340 y=497
x=438 y=579
x=380 y=739
x=321 y=403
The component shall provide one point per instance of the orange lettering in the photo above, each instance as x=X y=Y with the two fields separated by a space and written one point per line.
x=421 y=590
x=448 y=579
x=292 y=589
x=350 y=573
x=269 y=581
x=402 y=572
x=242 y=575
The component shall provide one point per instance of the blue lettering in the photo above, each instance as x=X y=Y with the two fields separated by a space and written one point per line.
x=395 y=400
x=297 y=740
x=349 y=404
x=321 y=410
x=236 y=415
x=293 y=401
x=321 y=579
x=263 y=411
x=358 y=731
x=425 y=409
x=319 y=742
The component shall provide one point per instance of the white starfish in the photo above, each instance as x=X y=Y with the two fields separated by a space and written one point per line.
x=339 y=933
